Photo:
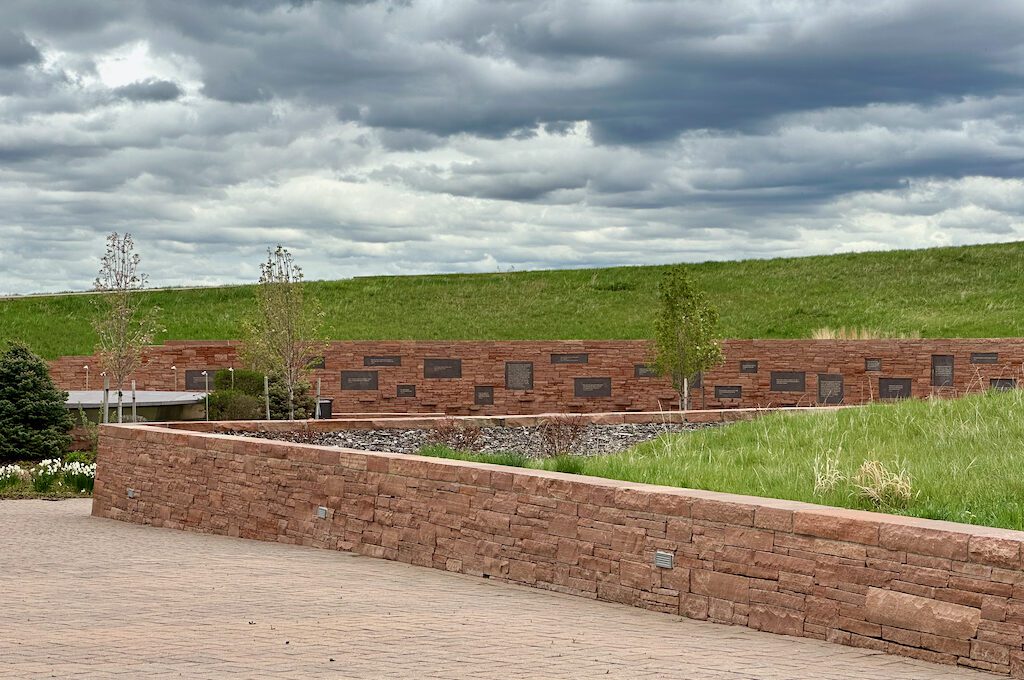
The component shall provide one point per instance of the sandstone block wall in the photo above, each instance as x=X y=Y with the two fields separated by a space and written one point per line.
x=938 y=591
x=747 y=372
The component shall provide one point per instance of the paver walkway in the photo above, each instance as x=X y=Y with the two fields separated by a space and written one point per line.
x=92 y=598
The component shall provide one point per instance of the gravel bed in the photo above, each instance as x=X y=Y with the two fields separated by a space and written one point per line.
x=595 y=439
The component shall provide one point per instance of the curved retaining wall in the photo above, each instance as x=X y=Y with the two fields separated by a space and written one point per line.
x=938 y=591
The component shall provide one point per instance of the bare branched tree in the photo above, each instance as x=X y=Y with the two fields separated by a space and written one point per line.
x=123 y=328
x=281 y=339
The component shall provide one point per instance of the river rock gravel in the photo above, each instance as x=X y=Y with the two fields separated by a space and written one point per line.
x=594 y=439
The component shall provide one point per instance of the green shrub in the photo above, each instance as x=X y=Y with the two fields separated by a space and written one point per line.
x=235 y=405
x=85 y=457
x=34 y=420
x=245 y=381
x=305 y=403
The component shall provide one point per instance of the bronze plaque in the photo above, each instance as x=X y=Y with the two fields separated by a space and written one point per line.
x=359 y=380
x=942 y=370
x=984 y=357
x=483 y=395
x=518 y=375
x=195 y=380
x=644 y=371
x=749 y=366
x=872 y=364
x=588 y=388
x=789 y=381
x=442 y=368
x=1002 y=384
x=830 y=388
x=317 y=362
x=406 y=391
x=728 y=392
x=382 y=361
x=576 y=358
x=894 y=388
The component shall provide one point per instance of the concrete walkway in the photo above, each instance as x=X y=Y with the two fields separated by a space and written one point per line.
x=93 y=598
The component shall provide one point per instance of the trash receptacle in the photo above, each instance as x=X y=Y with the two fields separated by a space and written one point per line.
x=326 y=409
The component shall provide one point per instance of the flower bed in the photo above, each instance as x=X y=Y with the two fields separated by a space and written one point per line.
x=73 y=475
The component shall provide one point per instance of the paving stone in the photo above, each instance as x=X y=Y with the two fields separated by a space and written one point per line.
x=86 y=597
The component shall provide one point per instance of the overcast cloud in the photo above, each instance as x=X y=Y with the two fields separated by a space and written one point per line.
x=409 y=137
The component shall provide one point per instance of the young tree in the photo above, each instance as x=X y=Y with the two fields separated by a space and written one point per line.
x=122 y=327
x=34 y=420
x=686 y=338
x=281 y=338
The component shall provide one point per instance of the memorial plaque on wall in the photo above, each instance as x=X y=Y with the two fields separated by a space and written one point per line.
x=830 y=388
x=195 y=380
x=643 y=371
x=406 y=391
x=748 y=367
x=789 y=381
x=942 y=370
x=728 y=392
x=359 y=380
x=483 y=395
x=382 y=361
x=518 y=375
x=872 y=364
x=442 y=368
x=894 y=388
x=1003 y=384
x=696 y=381
x=317 y=362
x=592 y=387
x=984 y=357
x=577 y=358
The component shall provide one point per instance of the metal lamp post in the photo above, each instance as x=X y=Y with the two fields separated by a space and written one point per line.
x=232 y=372
x=86 y=367
x=175 y=369
x=206 y=377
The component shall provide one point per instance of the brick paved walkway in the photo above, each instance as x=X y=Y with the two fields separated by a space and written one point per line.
x=93 y=598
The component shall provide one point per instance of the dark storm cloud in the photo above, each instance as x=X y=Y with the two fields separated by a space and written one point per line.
x=639 y=72
x=149 y=90
x=16 y=50
x=399 y=137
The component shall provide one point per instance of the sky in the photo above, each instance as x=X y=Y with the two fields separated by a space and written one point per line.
x=404 y=137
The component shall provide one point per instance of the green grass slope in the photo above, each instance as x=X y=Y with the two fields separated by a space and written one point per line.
x=962 y=458
x=973 y=291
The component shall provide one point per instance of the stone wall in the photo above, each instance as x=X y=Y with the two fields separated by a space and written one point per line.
x=931 y=590
x=573 y=375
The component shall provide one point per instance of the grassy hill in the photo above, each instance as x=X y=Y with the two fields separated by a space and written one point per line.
x=974 y=291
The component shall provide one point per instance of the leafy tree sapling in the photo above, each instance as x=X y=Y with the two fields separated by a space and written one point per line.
x=686 y=340
x=282 y=336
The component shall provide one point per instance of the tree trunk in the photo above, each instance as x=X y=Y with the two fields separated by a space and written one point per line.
x=684 y=398
x=291 y=402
